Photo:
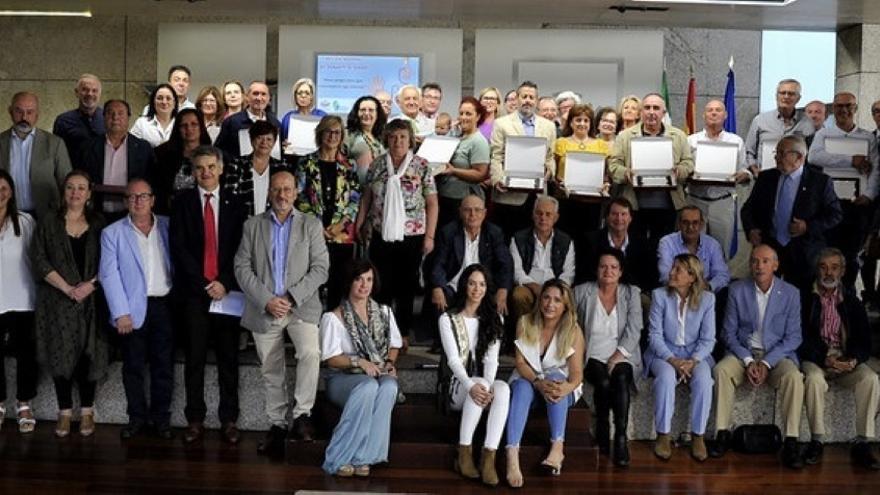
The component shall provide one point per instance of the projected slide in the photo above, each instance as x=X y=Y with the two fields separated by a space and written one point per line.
x=342 y=79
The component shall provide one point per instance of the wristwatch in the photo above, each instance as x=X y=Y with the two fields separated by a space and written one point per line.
x=355 y=362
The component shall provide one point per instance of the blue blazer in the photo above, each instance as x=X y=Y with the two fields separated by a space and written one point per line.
x=122 y=269
x=699 y=328
x=782 y=320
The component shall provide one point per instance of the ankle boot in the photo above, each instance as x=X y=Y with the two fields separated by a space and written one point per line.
x=464 y=464
x=621 y=449
x=663 y=446
x=487 y=467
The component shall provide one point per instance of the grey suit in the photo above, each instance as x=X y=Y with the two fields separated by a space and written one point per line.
x=49 y=165
x=307 y=266
x=629 y=320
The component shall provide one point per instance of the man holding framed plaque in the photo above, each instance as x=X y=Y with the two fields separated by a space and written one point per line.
x=514 y=147
x=719 y=164
x=767 y=127
x=848 y=154
x=647 y=146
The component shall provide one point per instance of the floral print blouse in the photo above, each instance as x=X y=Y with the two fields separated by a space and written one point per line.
x=348 y=196
x=417 y=184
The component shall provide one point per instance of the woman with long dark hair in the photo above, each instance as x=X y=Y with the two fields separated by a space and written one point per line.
x=471 y=333
x=173 y=172
x=364 y=125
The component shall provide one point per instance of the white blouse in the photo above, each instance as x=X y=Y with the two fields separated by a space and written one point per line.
x=150 y=130
x=17 y=291
x=603 y=334
x=336 y=342
x=450 y=347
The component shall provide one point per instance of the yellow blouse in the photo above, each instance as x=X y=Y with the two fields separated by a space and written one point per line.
x=566 y=144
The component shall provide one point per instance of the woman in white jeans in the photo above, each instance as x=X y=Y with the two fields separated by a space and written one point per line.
x=471 y=332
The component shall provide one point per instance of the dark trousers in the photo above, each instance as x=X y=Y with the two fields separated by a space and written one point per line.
x=577 y=217
x=513 y=218
x=19 y=326
x=398 y=266
x=447 y=211
x=849 y=236
x=340 y=259
x=200 y=326
x=610 y=392
x=653 y=223
x=153 y=342
x=64 y=386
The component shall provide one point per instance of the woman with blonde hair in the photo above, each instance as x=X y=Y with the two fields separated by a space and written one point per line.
x=628 y=112
x=549 y=364
x=681 y=336
x=490 y=98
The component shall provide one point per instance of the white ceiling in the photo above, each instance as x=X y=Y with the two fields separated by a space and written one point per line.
x=803 y=14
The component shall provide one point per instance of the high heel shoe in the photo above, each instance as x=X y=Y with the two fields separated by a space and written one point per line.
x=551 y=468
x=514 y=475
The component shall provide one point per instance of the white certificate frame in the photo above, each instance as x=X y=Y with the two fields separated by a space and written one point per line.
x=301 y=134
x=438 y=151
x=524 y=158
x=768 y=154
x=848 y=146
x=715 y=162
x=848 y=182
x=652 y=160
x=585 y=173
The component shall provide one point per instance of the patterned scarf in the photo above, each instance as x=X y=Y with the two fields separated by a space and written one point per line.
x=830 y=318
x=370 y=339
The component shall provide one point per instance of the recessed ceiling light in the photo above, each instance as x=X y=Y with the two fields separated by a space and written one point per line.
x=45 y=13
x=762 y=3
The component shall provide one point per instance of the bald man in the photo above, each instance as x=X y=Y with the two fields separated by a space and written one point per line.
x=849 y=235
x=85 y=122
x=38 y=161
x=717 y=202
x=258 y=98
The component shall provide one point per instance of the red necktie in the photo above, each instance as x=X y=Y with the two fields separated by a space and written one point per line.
x=210 y=254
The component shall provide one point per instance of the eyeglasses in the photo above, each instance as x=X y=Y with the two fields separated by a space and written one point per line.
x=333 y=132
x=489 y=98
x=134 y=198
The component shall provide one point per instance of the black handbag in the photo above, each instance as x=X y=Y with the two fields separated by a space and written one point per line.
x=757 y=439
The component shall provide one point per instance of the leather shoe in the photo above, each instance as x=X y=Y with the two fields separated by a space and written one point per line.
x=303 y=430
x=791 y=455
x=273 y=444
x=721 y=444
x=131 y=430
x=194 y=432
x=813 y=454
x=229 y=433
x=862 y=456
x=698 y=448
x=663 y=446
x=164 y=431
x=621 y=450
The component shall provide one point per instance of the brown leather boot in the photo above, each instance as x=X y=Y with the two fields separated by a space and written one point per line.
x=698 y=448
x=464 y=464
x=487 y=467
x=663 y=446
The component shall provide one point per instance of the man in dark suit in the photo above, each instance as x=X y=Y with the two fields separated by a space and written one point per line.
x=790 y=208
x=641 y=261
x=114 y=159
x=38 y=161
x=206 y=227
x=257 y=102
x=467 y=241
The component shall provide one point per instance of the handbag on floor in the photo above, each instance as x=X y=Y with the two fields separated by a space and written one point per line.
x=757 y=439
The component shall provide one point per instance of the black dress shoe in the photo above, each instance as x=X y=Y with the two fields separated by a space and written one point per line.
x=621 y=450
x=813 y=454
x=603 y=436
x=303 y=430
x=862 y=456
x=721 y=444
x=164 y=431
x=791 y=454
x=230 y=434
x=132 y=430
x=194 y=432
x=273 y=444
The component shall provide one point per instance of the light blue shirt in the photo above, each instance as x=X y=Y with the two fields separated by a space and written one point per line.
x=796 y=177
x=20 y=169
x=709 y=252
x=528 y=124
x=280 y=238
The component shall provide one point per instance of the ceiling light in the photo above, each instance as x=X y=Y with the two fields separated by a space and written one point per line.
x=45 y=13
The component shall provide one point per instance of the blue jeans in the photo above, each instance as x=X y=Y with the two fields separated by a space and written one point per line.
x=361 y=437
x=522 y=399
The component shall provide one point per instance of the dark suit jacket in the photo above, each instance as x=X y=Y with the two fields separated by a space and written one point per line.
x=815 y=203
x=854 y=323
x=641 y=261
x=187 y=239
x=449 y=255
x=227 y=140
x=141 y=159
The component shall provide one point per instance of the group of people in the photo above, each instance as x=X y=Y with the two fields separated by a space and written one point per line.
x=171 y=224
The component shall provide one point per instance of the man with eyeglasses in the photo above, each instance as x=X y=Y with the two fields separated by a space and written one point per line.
x=432 y=95
x=849 y=235
x=771 y=125
x=136 y=272
x=691 y=239
x=791 y=208
x=114 y=159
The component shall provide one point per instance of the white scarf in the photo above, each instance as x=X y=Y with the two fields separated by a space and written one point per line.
x=394 y=218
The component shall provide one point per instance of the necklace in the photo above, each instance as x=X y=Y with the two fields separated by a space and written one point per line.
x=582 y=145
